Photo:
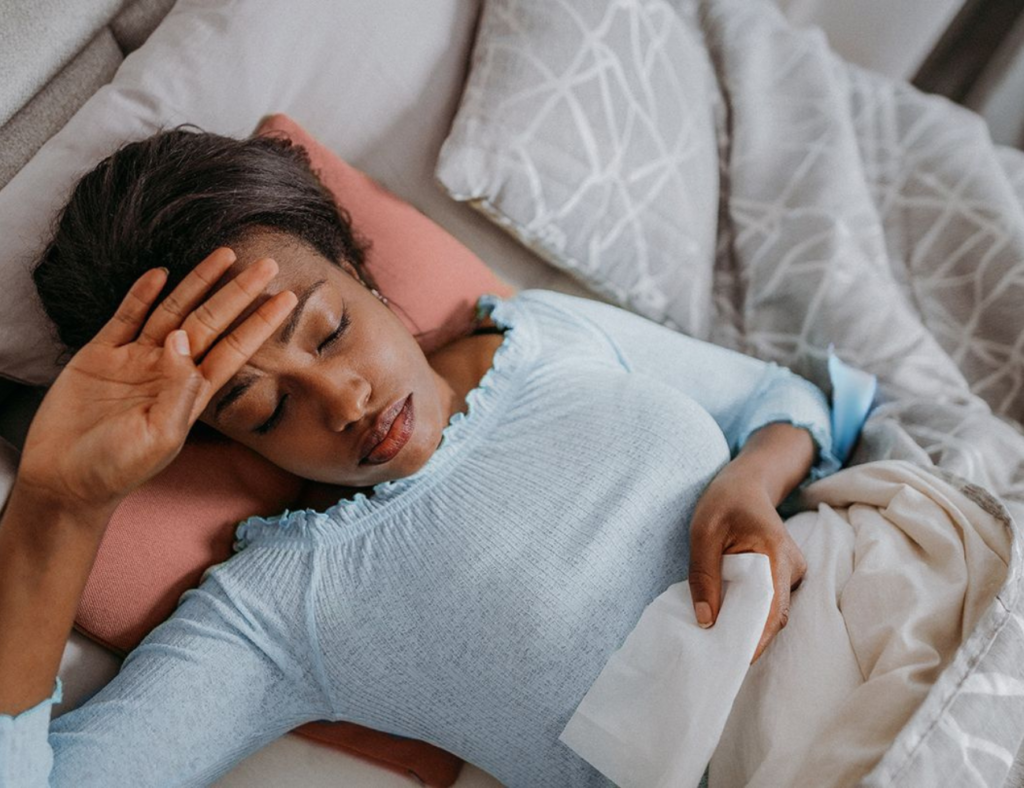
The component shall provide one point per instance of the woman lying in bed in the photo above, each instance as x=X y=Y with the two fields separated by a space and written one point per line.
x=527 y=489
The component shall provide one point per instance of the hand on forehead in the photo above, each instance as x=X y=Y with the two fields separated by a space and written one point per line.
x=300 y=267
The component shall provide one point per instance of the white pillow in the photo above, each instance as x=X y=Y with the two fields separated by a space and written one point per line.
x=587 y=130
x=378 y=82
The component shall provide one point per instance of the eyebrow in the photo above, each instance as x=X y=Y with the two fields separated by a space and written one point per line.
x=293 y=319
x=245 y=381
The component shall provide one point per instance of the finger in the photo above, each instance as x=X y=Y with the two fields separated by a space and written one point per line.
x=705 y=575
x=799 y=565
x=208 y=321
x=778 y=615
x=123 y=327
x=173 y=310
x=171 y=414
x=232 y=351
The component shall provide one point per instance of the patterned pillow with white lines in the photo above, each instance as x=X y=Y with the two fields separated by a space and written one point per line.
x=587 y=130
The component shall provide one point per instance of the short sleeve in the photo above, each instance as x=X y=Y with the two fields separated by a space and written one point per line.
x=214 y=683
x=25 y=755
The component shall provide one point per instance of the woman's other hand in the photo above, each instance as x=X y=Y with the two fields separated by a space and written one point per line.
x=736 y=514
x=121 y=409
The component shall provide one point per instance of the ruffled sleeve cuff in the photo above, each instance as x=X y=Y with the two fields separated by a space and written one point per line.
x=25 y=755
x=804 y=405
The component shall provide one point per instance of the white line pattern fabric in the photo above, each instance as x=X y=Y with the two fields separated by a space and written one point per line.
x=851 y=210
x=587 y=130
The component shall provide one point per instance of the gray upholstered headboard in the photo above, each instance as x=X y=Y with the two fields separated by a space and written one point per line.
x=54 y=54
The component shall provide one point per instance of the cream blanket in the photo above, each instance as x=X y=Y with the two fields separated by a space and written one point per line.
x=901 y=567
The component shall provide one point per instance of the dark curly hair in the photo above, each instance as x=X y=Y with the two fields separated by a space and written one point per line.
x=169 y=200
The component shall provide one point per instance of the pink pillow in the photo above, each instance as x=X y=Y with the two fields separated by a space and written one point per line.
x=165 y=534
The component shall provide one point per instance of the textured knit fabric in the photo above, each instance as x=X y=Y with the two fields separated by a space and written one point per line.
x=471 y=604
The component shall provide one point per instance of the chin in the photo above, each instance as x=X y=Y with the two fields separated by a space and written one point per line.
x=416 y=458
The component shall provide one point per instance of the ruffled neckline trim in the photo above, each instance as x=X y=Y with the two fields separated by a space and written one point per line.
x=351 y=517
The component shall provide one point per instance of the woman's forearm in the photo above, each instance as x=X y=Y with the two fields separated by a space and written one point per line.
x=117 y=415
x=778 y=456
x=46 y=553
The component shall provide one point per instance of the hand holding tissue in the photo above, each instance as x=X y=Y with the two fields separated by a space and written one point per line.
x=653 y=717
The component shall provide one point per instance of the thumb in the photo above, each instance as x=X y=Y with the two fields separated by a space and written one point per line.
x=778 y=613
x=172 y=412
x=705 y=577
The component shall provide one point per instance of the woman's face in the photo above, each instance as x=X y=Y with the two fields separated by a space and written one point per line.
x=310 y=397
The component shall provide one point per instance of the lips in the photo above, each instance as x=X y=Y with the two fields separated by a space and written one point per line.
x=389 y=433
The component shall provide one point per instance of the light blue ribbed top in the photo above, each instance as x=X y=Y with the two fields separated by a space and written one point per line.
x=471 y=604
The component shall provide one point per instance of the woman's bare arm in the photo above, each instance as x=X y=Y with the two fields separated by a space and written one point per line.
x=116 y=416
x=46 y=553
x=778 y=456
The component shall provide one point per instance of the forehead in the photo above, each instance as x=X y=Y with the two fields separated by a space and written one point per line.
x=298 y=262
x=301 y=269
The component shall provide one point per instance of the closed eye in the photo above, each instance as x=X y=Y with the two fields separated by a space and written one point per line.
x=335 y=335
x=275 y=417
x=278 y=413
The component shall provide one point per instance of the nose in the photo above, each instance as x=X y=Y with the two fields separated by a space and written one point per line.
x=344 y=398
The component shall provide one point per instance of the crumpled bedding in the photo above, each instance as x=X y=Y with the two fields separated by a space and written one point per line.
x=858 y=211
x=902 y=566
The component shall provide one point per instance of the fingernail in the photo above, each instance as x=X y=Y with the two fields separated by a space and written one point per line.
x=180 y=342
x=703 y=610
x=165 y=269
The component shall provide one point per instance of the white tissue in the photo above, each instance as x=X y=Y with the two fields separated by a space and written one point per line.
x=654 y=716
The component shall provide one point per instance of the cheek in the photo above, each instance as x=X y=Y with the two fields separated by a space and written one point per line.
x=392 y=359
x=390 y=345
x=305 y=453
x=281 y=444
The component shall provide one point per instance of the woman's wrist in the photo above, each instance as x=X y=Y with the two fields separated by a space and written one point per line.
x=47 y=549
x=31 y=496
x=776 y=458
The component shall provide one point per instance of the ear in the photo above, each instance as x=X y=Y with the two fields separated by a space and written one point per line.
x=351 y=270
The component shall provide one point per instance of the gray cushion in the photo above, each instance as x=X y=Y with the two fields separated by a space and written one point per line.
x=52 y=107
x=587 y=131
x=133 y=25
x=26 y=63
